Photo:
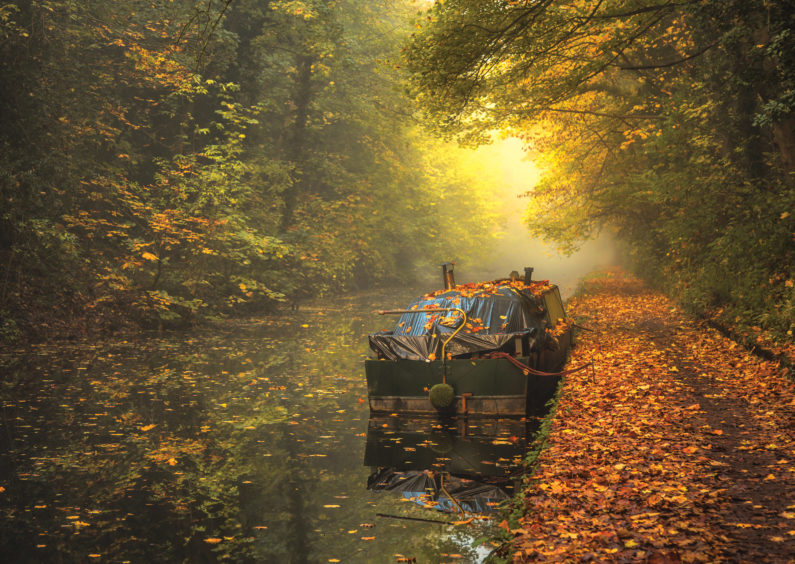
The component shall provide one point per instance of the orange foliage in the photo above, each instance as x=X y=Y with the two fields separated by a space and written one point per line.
x=683 y=450
x=485 y=289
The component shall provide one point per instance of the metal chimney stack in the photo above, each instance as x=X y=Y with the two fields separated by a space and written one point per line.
x=447 y=275
x=528 y=274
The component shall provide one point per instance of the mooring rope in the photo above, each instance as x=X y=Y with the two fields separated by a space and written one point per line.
x=529 y=370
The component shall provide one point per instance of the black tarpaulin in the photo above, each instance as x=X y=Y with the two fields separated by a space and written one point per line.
x=496 y=313
x=422 y=346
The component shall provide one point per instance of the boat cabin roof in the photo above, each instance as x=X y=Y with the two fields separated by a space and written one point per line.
x=501 y=306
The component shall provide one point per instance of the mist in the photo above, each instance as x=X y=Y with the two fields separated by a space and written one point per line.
x=514 y=174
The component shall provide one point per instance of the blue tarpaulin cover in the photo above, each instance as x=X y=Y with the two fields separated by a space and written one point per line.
x=496 y=313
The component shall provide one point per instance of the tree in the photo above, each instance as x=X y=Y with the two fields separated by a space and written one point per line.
x=168 y=162
x=662 y=120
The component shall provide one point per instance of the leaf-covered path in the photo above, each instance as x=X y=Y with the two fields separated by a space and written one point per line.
x=683 y=449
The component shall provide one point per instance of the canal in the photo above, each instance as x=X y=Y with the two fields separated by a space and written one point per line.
x=250 y=442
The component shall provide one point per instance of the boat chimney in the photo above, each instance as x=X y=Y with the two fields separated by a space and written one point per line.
x=447 y=275
x=528 y=274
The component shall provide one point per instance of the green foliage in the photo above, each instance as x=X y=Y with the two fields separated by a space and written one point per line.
x=669 y=124
x=162 y=163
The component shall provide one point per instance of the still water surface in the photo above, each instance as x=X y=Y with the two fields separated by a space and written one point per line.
x=248 y=443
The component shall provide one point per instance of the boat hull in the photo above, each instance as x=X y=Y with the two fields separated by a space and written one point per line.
x=483 y=387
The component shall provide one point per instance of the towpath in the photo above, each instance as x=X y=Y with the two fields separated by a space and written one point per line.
x=682 y=450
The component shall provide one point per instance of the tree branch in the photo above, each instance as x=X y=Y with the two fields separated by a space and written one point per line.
x=670 y=63
x=601 y=114
x=644 y=10
x=208 y=36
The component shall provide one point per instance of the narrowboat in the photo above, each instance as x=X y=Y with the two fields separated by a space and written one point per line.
x=488 y=348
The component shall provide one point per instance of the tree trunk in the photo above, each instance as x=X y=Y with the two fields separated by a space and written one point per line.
x=297 y=143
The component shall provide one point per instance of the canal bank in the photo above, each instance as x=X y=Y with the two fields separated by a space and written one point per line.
x=682 y=449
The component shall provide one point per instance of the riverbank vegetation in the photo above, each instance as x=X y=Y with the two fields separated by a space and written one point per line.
x=669 y=123
x=165 y=162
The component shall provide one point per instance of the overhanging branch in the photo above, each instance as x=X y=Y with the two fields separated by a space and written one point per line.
x=602 y=114
x=669 y=63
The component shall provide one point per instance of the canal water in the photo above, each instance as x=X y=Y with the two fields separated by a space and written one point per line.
x=248 y=443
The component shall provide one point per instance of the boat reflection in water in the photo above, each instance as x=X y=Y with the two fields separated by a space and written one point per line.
x=459 y=465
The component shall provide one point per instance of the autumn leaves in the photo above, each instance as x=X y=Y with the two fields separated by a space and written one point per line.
x=682 y=452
